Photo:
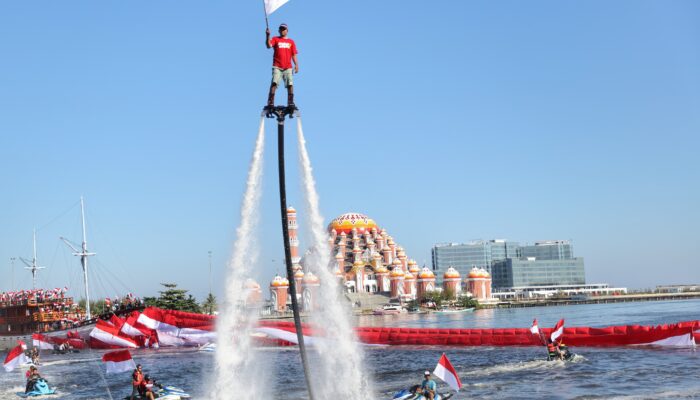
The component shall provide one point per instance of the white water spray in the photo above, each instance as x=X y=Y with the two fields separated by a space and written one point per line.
x=341 y=373
x=237 y=366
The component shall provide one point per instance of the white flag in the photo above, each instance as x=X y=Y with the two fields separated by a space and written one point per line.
x=272 y=5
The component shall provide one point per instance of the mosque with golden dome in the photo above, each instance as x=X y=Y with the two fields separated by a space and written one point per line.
x=367 y=259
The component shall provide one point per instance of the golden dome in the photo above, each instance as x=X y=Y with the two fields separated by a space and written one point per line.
x=426 y=274
x=279 y=282
x=451 y=273
x=414 y=269
x=478 y=273
x=396 y=262
x=291 y=210
x=347 y=222
x=412 y=262
x=299 y=274
x=409 y=276
x=396 y=272
x=381 y=270
x=251 y=284
x=310 y=278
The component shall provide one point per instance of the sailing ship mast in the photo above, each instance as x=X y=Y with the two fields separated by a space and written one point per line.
x=33 y=267
x=84 y=254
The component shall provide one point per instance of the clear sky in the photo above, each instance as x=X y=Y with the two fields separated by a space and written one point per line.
x=444 y=121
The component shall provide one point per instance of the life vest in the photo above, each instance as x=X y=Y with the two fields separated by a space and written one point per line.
x=551 y=349
x=137 y=378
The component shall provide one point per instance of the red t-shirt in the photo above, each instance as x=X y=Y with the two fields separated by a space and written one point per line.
x=284 y=50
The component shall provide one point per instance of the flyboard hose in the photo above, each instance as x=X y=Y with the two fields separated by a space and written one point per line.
x=281 y=113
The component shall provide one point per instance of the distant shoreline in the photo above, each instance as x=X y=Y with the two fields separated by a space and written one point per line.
x=595 y=300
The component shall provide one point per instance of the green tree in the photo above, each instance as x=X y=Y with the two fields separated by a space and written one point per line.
x=96 y=306
x=435 y=296
x=209 y=305
x=467 y=302
x=173 y=299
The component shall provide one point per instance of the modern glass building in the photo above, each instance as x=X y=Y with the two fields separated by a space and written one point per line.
x=464 y=256
x=545 y=263
x=549 y=250
x=533 y=272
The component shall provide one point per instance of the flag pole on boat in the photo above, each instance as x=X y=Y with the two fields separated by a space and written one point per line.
x=33 y=267
x=84 y=254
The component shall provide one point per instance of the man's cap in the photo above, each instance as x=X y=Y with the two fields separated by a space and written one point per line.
x=426 y=373
x=283 y=26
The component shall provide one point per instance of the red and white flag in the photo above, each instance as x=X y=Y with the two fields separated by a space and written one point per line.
x=558 y=330
x=534 y=328
x=118 y=361
x=41 y=342
x=16 y=357
x=272 y=5
x=445 y=371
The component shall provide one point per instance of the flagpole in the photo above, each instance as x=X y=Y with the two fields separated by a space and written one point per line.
x=267 y=24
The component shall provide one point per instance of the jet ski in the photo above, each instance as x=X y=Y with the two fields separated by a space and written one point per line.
x=165 y=393
x=39 y=387
x=410 y=394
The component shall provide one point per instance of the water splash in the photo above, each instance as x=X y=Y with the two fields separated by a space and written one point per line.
x=341 y=373
x=236 y=364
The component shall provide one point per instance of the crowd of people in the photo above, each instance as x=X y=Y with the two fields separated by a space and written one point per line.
x=52 y=296
x=122 y=303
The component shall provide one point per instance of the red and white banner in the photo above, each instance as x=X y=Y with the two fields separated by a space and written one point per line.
x=179 y=328
x=557 y=331
x=676 y=341
x=534 y=328
x=445 y=371
x=42 y=342
x=118 y=361
x=106 y=336
x=15 y=357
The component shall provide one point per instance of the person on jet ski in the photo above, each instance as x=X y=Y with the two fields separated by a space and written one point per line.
x=136 y=378
x=564 y=351
x=146 y=387
x=553 y=351
x=428 y=388
x=32 y=376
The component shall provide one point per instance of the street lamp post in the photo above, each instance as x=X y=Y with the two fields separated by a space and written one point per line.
x=12 y=270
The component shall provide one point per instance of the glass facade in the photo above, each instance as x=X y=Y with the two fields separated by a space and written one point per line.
x=464 y=256
x=532 y=272
x=552 y=250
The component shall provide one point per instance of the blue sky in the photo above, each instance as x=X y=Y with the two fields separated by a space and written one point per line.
x=443 y=121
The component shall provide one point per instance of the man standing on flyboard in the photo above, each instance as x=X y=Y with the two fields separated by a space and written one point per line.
x=285 y=53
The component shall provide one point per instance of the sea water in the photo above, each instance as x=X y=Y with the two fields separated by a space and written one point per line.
x=487 y=372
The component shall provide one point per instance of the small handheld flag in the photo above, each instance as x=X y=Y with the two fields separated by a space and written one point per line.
x=272 y=5
x=445 y=371
x=535 y=329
